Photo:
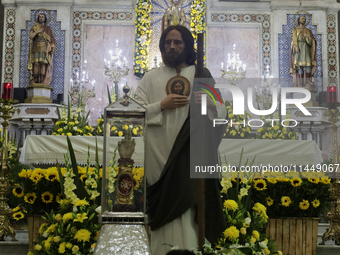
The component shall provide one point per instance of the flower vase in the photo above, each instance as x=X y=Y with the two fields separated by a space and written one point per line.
x=294 y=235
x=34 y=222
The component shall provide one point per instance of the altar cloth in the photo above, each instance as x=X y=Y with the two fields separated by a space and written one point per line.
x=45 y=149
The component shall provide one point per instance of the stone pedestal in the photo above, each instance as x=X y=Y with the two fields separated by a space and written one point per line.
x=310 y=127
x=34 y=119
x=38 y=93
x=312 y=102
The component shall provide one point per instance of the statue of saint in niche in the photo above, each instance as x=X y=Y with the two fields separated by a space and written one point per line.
x=303 y=53
x=174 y=15
x=41 y=50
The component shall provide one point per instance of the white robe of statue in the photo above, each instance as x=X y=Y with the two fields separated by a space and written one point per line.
x=163 y=128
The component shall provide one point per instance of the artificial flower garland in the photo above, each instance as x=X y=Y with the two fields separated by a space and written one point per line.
x=142 y=40
x=198 y=21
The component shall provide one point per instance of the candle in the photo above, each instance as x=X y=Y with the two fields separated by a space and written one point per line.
x=7 y=90
x=332 y=95
x=222 y=65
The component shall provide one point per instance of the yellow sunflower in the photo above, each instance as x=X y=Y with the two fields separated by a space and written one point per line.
x=52 y=174
x=18 y=216
x=35 y=177
x=325 y=180
x=316 y=203
x=260 y=185
x=313 y=180
x=58 y=197
x=304 y=205
x=18 y=192
x=47 y=197
x=270 y=201
x=285 y=201
x=272 y=180
x=30 y=198
x=83 y=177
x=296 y=182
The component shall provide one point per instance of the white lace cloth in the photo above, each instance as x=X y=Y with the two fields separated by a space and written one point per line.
x=48 y=149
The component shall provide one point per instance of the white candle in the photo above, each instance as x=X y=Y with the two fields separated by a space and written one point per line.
x=234 y=45
x=222 y=65
x=117 y=43
x=244 y=67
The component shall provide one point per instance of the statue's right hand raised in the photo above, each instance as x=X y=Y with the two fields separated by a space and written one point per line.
x=173 y=101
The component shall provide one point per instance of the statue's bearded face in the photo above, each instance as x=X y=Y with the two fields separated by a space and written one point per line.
x=41 y=18
x=175 y=2
x=175 y=53
x=302 y=20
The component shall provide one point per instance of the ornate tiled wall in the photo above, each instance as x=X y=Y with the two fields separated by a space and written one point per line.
x=331 y=48
x=58 y=59
x=157 y=11
x=78 y=18
x=262 y=19
x=285 y=39
x=9 y=34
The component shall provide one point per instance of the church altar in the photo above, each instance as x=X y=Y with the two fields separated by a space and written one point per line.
x=50 y=149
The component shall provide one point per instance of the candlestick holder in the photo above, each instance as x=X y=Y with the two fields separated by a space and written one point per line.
x=116 y=67
x=235 y=71
x=7 y=111
x=333 y=233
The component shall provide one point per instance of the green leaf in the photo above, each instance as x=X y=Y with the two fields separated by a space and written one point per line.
x=69 y=106
x=61 y=178
x=108 y=94
x=91 y=217
x=80 y=191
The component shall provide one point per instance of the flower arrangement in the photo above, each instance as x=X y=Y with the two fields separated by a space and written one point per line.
x=72 y=124
x=142 y=41
x=237 y=131
x=293 y=194
x=198 y=20
x=246 y=221
x=118 y=130
x=273 y=130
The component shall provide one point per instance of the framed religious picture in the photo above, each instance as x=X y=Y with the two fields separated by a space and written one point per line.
x=178 y=85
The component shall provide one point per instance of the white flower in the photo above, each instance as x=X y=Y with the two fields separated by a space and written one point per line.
x=75 y=209
x=243 y=192
x=263 y=245
x=44 y=234
x=99 y=209
x=247 y=220
x=75 y=128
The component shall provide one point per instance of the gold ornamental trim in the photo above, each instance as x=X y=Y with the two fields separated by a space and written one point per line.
x=39 y=86
x=37 y=111
x=38 y=100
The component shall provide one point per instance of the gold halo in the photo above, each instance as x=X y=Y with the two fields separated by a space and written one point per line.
x=309 y=15
x=42 y=9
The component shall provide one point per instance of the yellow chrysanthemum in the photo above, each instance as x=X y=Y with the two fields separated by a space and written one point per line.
x=47 y=197
x=231 y=233
x=285 y=201
x=82 y=235
x=62 y=247
x=67 y=216
x=316 y=203
x=230 y=205
x=120 y=133
x=304 y=205
x=37 y=247
x=260 y=185
x=30 y=198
